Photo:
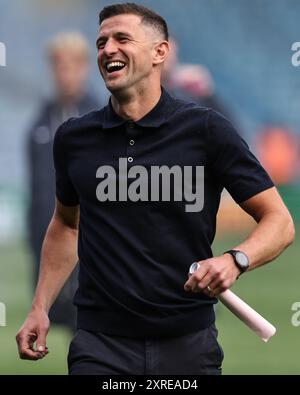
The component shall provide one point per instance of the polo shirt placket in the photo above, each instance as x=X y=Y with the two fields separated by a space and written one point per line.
x=130 y=128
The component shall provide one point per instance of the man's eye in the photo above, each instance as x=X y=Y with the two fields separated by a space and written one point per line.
x=123 y=40
x=101 y=45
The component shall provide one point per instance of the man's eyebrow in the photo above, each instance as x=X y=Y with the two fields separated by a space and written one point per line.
x=118 y=35
x=123 y=34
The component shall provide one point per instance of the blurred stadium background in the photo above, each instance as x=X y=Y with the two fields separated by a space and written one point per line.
x=247 y=48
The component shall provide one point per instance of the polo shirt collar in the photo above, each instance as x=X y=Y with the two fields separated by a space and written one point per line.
x=154 y=118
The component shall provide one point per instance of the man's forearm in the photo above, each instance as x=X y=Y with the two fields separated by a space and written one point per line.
x=58 y=260
x=273 y=233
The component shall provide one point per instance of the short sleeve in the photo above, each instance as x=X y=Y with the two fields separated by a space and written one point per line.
x=65 y=191
x=232 y=162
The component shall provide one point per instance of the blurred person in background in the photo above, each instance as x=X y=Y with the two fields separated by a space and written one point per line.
x=191 y=82
x=69 y=60
x=278 y=150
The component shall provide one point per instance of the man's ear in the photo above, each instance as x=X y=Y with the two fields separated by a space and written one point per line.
x=161 y=51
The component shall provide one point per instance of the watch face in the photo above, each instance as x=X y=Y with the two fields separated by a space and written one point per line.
x=242 y=259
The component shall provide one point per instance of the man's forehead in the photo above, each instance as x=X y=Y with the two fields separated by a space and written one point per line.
x=126 y=22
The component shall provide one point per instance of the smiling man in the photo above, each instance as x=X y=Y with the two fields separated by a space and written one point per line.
x=137 y=312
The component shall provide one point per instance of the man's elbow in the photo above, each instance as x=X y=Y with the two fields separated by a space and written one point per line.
x=289 y=230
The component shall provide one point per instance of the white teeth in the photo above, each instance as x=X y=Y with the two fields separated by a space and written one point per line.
x=114 y=64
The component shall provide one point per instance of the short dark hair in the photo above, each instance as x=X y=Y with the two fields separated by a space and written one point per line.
x=148 y=16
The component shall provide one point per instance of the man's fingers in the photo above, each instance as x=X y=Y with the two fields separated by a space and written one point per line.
x=31 y=340
x=204 y=284
x=208 y=291
x=213 y=273
x=25 y=346
x=29 y=354
x=25 y=341
x=192 y=282
x=199 y=281
x=41 y=341
x=217 y=292
x=218 y=286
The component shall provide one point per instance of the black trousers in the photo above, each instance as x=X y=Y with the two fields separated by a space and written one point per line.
x=94 y=353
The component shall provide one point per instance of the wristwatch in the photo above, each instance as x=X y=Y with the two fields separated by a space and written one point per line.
x=240 y=259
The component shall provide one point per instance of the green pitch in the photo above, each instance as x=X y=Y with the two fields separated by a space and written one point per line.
x=270 y=290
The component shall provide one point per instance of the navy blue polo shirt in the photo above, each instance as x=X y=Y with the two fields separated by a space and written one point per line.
x=135 y=253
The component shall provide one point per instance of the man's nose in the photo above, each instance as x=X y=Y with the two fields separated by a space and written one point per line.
x=110 y=48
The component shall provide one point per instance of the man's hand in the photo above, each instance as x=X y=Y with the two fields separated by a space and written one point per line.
x=214 y=276
x=34 y=330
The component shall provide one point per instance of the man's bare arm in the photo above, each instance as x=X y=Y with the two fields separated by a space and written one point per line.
x=58 y=260
x=273 y=233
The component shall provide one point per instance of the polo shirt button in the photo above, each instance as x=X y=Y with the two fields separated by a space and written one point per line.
x=131 y=142
x=130 y=159
x=131 y=125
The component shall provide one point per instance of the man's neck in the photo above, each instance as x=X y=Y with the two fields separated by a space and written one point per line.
x=136 y=105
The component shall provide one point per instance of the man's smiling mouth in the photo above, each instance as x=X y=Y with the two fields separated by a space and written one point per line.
x=110 y=67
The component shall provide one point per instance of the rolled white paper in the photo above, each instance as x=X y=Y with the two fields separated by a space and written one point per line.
x=263 y=328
